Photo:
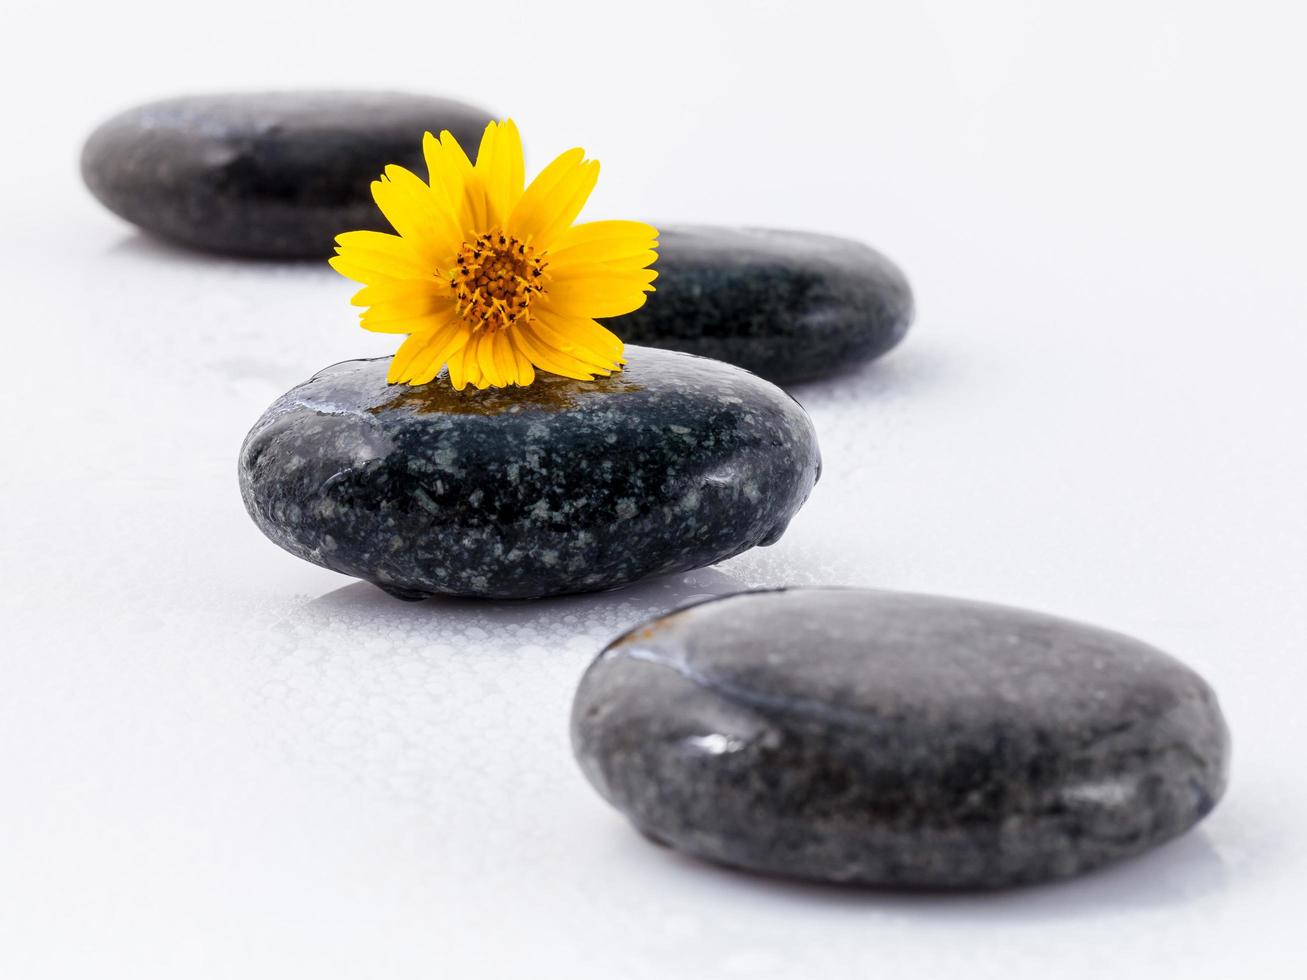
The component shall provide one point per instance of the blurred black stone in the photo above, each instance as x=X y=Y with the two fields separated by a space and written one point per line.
x=790 y=306
x=901 y=740
x=275 y=174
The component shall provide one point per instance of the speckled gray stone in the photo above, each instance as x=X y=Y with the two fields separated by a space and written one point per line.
x=897 y=740
x=788 y=305
x=565 y=486
x=273 y=174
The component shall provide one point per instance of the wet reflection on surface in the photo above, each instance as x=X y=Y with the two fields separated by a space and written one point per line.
x=549 y=393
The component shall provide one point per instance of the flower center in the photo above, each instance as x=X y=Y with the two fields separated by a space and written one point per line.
x=494 y=279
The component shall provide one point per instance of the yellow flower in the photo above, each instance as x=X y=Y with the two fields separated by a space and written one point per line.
x=491 y=279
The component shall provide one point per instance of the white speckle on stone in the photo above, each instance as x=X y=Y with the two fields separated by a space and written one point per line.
x=713 y=744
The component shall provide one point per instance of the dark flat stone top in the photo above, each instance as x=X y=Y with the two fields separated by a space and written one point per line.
x=788 y=305
x=274 y=174
x=896 y=739
x=565 y=486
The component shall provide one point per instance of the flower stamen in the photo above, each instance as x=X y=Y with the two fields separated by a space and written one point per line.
x=494 y=279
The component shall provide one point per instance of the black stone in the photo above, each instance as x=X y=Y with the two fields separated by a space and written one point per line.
x=275 y=174
x=897 y=740
x=564 y=486
x=790 y=306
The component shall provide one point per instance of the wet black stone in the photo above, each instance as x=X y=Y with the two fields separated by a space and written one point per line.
x=275 y=174
x=897 y=740
x=565 y=486
x=790 y=306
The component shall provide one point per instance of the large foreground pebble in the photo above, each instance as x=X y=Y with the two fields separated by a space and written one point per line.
x=898 y=740
x=276 y=174
x=788 y=305
x=565 y=486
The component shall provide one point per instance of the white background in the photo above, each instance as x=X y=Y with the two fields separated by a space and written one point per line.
x=218 y=761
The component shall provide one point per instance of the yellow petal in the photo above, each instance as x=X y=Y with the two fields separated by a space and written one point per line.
x=456 y=376
x=605 y=345
x=572 y=193
x=443 y=173
x=412 y=349
x=472 y=367
x=379 y=317
x=538 y=203
x=364 y=268
x=603 y=241
x=525 y=372
x=486 y=358
x=418 y=215
x=505 y=362
x=595 y=297
x=401 y=291
x=408 y=307
x=389 y=301
x=553 y=331
x=500 y=168
x=437 y=354
x=461 y=184
x=366 y=256
x=517 y=168
x=548 y=357
x=604 y=273
x=410 y=323
x=602 y=254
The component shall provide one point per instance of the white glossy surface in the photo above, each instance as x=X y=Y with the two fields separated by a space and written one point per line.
x=218 y=761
